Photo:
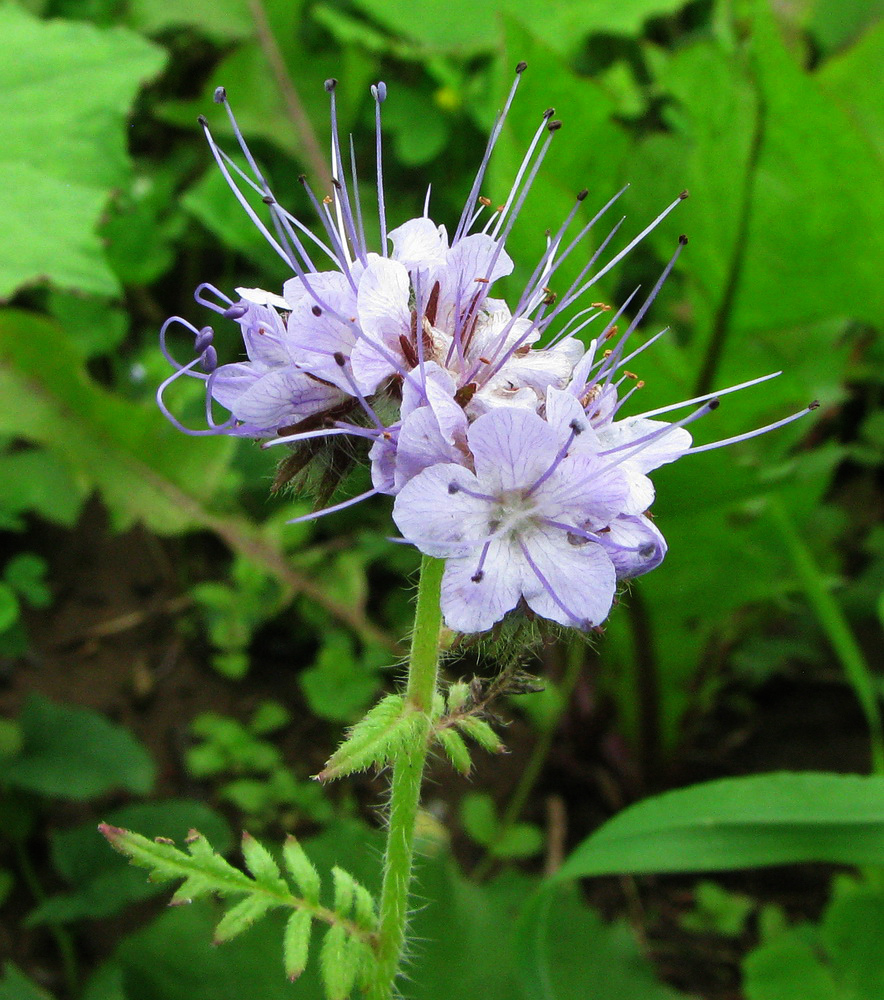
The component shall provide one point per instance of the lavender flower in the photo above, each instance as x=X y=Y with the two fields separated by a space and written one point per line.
x=508 y=457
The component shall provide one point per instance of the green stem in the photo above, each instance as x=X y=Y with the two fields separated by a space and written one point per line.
x=408 y=771
x=837 y=630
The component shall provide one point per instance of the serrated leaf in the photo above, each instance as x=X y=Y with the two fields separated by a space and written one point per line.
x=364 y=907
x=340 y=962
x=457 y=751
x=241 y=916
x=480 y=731
x=345 y=892
x=296 y=943
x=260 y=861
x=302 y=870
x=373 y=740
x=457 y=695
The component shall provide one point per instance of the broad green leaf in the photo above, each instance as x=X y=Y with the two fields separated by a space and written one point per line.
x=850 y=78
x=74 y=753
x=479 y=817
x=464 y=28
x=788 y=968
x=66 y=88
x=35 y=480
x=16 y=986
x=338 y=686
x=219 y=20
x=766 y=819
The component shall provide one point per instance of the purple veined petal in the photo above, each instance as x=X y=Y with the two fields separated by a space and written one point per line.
x=512 y=449
x=263 y=333
x=659 y=451
x=273 y=399
x=468 y=273
x=382 y=301
x=502 y=395
x=314 y=338
x=437 y=385
x=439 y=522
x=383 y=456
x=422 y=443
x=641 y=489
x=333 y=287
x=477 y=592
x=583 y=488
x=419 y=243
x=573 y=584
x=635 y=546
x=540 y=369
x=372 y=363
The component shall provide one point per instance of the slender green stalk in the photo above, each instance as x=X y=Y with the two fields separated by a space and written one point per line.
x=836 y=628
x=408 y=771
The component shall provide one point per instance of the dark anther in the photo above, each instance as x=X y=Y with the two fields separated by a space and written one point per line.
x=330 y=84
x=203 y=340
x=209 y=360
x=554 y=126
x=714 y=404
x=336 y=183
x=815 y=405
x=521 y=67
x=683 y=240
x=340 y=360
x=220 y=95
x=268 y=199
x=453 y=488
x=582 y=194
x=683 y=195
x=316 y=311
x=549 y=113
x=236 y=311
x=302 y=178
x=646 y=551
x=202 y=120
x=576 y=426
x=478 y=577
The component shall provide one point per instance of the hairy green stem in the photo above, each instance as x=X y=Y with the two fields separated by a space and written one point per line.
x=408 y=771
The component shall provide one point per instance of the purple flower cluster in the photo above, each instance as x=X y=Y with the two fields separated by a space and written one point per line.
x=508 y=457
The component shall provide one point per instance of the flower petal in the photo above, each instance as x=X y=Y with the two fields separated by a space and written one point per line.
x=578 y=580
x=475 y=605
x=634 y=545
x=438 y=522
x=419 y=243
x=512 y=449
x=666 y=448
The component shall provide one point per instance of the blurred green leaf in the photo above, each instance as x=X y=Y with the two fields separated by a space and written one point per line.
x=16 y=986
x=66 y=88
x=102 y=883
x=220 y=20
x=717 y=910
x=338 y=685
x=36 y=480
x=479 y=817
x=765 y=819
x=75 y=753
x=145 y=468
x=9 y=606
x=26 y=574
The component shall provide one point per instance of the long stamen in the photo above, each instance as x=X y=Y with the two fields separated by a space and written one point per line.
x=357 y=200
x=205 y=286
x=470 y=204
x=455 y=487
x=547 y=586
x=757 y=432
x=708 y=395
x=632 y=448
x=333 y=509
x=341 y=362
x=341 y=194
x=569 y=298
x=478 y=576
x=322 y=432
x=563 y=451
x=526 y=159
x=379 y=93
x=212 y=429
x=613 y=362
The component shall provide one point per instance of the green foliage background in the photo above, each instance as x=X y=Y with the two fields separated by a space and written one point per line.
x=112 y=212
